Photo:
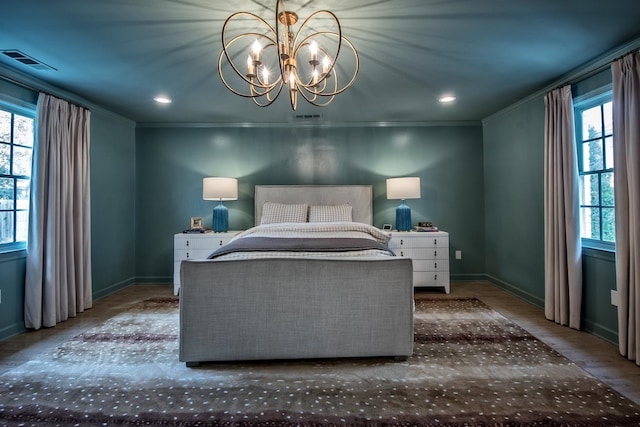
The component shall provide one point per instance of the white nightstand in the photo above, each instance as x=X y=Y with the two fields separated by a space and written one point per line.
x=429 y=251
x=195 y=246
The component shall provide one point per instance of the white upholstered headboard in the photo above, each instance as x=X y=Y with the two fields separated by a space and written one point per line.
x=358 y=196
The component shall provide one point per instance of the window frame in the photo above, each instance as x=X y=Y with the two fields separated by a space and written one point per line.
x=29 y=111
x=582 y=103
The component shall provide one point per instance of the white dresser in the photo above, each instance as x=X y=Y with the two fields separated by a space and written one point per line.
x=195 y=246
x=430 y=254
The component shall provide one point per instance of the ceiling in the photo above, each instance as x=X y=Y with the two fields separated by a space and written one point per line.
x=120 y=54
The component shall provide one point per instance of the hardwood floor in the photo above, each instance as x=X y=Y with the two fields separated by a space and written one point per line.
x=596 y=356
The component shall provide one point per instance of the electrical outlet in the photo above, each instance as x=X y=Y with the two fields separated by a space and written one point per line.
x=0 y=296
x=458 y=254
x=614 y=298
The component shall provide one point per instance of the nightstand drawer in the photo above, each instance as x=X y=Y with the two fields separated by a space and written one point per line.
x=431 y=279
x=418 y=240
x=201 y=241
x=180 y=254
x=430 y=265
x=423 y=253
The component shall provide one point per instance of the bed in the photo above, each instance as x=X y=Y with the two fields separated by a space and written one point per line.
x=270 y=294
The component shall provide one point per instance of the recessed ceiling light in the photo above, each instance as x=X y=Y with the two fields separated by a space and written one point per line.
x=162 y=100
x=447 y=99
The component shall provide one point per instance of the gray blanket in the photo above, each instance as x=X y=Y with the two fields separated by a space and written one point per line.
x=293 y=244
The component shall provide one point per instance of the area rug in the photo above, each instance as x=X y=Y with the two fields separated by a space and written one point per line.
x=471 y=367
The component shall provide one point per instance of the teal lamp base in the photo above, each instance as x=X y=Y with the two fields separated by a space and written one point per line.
x=220 y=218
x=403 y=217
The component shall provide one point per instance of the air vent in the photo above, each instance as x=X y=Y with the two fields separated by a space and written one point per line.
x=27 y=60
x=308 y=117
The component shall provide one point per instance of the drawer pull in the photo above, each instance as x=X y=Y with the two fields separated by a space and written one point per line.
x=220 y=243
x=435 y=276
x=435 y=265
x=401 y=253
x=435 y=242
x=187 y=243
x=435 y=254
x=187 y=254
x=402 y=241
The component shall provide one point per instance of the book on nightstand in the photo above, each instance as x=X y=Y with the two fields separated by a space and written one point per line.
x=425 y=229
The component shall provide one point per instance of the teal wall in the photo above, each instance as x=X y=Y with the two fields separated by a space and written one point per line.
x=113 y=203
x=112 y=214
x=171 y=162
x=514 y=212
x=12 y=271
x=514 y=199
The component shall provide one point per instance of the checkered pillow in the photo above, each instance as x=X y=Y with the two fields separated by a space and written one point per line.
x=273 y=213
x=330 y=213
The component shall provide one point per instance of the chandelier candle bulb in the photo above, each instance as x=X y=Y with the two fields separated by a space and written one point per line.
x=313 y=49
x=250 y=67
x=256 y=48
x=265 y=76
x=325 y=65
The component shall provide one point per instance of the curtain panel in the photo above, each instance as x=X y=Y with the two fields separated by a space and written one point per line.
x=58 y=276
x=563 y=251
x=626 y=155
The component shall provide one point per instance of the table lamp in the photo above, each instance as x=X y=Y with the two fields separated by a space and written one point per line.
x=218 y=188
x=403 y=188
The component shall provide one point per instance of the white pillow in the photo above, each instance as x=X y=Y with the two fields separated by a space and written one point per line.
x=330 y=213
x=273 y=213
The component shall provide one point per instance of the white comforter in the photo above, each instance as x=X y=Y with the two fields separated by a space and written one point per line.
x=312 y=230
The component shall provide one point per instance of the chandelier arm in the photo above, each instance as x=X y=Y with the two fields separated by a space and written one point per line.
x=224 y=81
x=226 y=46
x=250 y=15
x=309 y=18
x=355 y=73
x=280 y=86
x=313 y=100
x=270 y=88
x=256 y=99
x=326 y=75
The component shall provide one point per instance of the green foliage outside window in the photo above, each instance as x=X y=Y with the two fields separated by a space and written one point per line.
x=595 y=148
x=16 y=148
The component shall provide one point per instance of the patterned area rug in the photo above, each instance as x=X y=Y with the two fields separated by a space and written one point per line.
x=471 y=367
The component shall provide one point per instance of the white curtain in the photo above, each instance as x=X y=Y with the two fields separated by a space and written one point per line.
x=626 y=155
x=58 y=278
x=563 y=251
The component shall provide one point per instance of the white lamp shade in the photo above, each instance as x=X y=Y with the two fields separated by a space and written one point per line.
x=218 y=188
x=403 y=188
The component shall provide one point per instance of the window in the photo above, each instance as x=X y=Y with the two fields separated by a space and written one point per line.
x=594 y=137
x=16 y=148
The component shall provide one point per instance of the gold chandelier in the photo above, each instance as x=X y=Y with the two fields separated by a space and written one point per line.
x=295 y=57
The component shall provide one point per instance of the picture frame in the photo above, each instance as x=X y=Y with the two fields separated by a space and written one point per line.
x=387 y=227
x=197 y=223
